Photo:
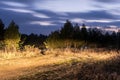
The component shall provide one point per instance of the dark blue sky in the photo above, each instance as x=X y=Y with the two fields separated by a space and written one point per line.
x=44 y=16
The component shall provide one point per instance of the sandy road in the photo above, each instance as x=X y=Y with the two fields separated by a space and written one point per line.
x=17 y=67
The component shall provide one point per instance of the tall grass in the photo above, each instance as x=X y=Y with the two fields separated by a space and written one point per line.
x=29 y=51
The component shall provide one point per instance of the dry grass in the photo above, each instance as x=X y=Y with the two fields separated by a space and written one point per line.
x=60 y=65
x=29 y=51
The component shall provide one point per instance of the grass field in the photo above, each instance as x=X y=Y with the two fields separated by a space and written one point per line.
x=60 y=65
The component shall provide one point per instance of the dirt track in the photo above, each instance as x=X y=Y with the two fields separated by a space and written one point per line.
x=14 y=68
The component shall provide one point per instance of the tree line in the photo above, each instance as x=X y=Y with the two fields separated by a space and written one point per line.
x=11 y=39
x=74 y=36
x=69 y=36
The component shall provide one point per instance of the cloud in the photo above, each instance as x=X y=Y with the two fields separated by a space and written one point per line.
x=112 y=28
x=43 y=23
x=115 y=11
x=24 y=19
x=40 y=15
x=61 y=21
x=95 y=14
x=13 y=4
x=77 y=20
x=20 y=1
x=19 y=10
x=100 y=20
x=107 y=1
x=65 y=5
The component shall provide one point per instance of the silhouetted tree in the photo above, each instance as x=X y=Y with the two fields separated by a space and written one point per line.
x=107 y=39
x=1 y=30
x=118 y=40
x=76 y=32
x=84 y=33
x=67 y=37
x=67 y=30
x=34 y=40
x=113 y=40
x=1 y=34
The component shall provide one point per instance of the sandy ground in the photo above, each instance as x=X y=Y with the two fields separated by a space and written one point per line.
x=14 y=68
x=18 y=67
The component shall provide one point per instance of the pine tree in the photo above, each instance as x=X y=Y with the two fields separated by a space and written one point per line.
x=67 y=30
x=12 y=36
x=1 y=30
x=84 y=33
x=76 y=32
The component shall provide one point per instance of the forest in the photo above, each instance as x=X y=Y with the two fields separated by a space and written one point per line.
x=69 y=36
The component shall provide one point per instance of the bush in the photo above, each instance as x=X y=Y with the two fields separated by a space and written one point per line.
x=2 y=45
x=55 y=43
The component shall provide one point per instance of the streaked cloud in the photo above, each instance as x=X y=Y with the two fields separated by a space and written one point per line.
x=40 y=15
x=111 y=28
x=102 y=20
x=43 y=23
x=19 y=10
x=107 y=1
x=65 y=5
x=61 y=21
x=14 y=4
x=77 y=20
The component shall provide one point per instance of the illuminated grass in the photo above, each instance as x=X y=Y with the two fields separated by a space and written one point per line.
x=60 y=65
x=29 y=51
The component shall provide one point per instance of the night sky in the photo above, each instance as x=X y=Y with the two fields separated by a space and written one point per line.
x=44 y=16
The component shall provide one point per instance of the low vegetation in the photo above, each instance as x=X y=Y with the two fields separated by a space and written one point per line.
x=29 y=51
x=63 y=65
